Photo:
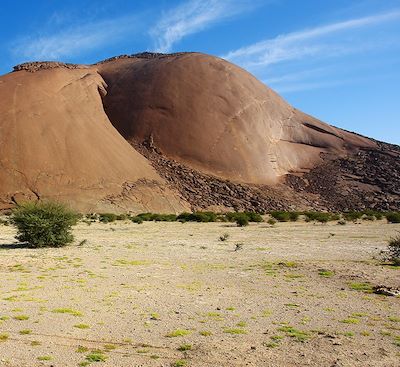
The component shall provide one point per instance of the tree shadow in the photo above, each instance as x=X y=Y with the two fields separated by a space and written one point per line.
x=14 y=246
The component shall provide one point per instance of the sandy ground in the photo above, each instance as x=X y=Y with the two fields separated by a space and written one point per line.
x=136 y=294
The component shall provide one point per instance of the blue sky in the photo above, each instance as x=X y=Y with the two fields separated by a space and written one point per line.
x=338 y=60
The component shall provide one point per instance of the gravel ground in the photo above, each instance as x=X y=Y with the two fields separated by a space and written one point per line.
x=171 y=294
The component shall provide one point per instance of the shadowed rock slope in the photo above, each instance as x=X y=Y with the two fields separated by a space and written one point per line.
x=154 y=132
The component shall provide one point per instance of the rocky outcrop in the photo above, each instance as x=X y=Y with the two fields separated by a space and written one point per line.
x=46 y=65
x=170 y=132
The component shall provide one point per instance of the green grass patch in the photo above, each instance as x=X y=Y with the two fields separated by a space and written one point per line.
x=68 y=311
x=44 y=358
x=21 y=317
x=25 y=332
x=326 y=273
x=296 y=334
x=363 y=287
x=350 y=320
x=96 y=356
x=185 y=347
x=179 y=363
x=82 y=326
x=236 y=331
x=178 y=333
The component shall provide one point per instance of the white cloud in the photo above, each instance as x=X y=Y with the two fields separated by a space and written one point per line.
x=192 y=17
x=74 y=40
x=306 y=43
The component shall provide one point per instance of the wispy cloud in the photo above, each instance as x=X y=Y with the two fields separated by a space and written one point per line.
x=73 y=40
x=194 y=16
x=306 y=43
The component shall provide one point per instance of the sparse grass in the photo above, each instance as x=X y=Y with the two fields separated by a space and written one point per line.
x=298 y=335
x=82 y=326
x=81 y=349
x=96 y=356
x=326 y=273
x=236 y=331
x=44 y=358
x=123 y=262
x=25 y=332
x=364 y=287
x=394 y=318
x=68 y=311
x=21 y=317
x=178 y=333
x=185 y=347
x=110 y=346
x=179 y=363
x=350 y=320
x=271 y=344
x=224 y=237
x=205 y=333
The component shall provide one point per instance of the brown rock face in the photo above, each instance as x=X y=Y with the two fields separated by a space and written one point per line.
x=166 y=133
x=217 y=118
x=57 y=142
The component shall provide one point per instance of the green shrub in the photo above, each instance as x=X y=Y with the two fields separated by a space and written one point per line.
x=352 y=216
x=335 y=216
x=198 y=217
x=294 y=216
x=44 y=224
x=145 y=216
x=393 y=250
x=164 y=217
x=281 y=216
x=242 y=220
x=107 y=217
x=393 y=217
x=122 y=217
x=254 y=217
x=271 y=221
x=136 y=219
x=317 y=216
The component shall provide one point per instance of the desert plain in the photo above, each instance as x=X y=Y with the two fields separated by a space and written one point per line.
x=172 y=294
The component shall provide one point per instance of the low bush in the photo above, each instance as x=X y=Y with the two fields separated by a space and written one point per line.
x=204 y=217
x=393 y=217
x=242 y=220
x=352 y=216
x=393 y=250
x=281 y=216
x=44 y=224
x=136 y=219
x=317 y=217
x=254 y=217
x=107 y=217
x=250 y=216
